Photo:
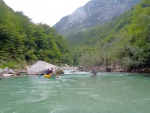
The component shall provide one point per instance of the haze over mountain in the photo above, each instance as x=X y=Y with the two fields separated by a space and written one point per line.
x=94 y=13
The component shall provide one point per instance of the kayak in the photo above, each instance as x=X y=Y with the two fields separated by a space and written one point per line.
x=51 y=76
x=48 y=75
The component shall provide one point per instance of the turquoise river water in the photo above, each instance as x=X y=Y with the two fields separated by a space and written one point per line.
x=76 y=93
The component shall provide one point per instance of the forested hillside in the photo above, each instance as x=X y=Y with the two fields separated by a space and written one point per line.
x=125 y=41
x=22 y=40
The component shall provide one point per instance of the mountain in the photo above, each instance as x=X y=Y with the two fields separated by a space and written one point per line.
x=94 y=13
x=124 y=42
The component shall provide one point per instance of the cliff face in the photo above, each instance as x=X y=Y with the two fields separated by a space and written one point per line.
x=94 y=13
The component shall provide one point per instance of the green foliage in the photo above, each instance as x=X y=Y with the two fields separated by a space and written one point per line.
x=11 y=64
x=21 y=39
x=125 y=40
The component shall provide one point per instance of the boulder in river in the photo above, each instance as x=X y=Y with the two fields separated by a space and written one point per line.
x=40 y=67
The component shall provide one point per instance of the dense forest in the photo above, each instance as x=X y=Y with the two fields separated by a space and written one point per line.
x=21 y=40
x=125 y=41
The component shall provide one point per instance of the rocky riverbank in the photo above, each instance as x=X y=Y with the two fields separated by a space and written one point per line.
x=38 y=68
x=116 y=69
x=11 y=72
x=41 y=66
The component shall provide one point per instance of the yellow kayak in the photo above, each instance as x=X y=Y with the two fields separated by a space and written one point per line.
x=48 y=75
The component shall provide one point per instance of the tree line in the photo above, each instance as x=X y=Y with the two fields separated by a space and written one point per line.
x=22 y=40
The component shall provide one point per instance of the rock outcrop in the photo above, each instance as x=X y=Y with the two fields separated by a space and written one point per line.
x=94 y=13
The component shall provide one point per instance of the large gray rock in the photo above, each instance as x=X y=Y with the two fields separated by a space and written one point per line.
x=40 y=67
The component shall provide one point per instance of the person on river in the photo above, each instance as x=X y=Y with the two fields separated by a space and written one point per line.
x=94 y=72
x=47 y=71
x=51 y=71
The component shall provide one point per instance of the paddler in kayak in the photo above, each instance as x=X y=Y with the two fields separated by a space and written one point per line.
x=49 y=71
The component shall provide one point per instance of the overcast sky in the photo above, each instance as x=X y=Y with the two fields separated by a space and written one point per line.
x=45 y=11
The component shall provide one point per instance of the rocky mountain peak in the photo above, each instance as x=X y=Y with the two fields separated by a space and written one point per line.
x=94 y=13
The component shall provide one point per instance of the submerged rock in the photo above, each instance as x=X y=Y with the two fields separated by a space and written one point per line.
x=59 y=71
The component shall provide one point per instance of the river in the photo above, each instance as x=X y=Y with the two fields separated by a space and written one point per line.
x=76 y=93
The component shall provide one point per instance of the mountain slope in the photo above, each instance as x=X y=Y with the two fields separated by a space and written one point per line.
x=94 y=13
x=125 y=41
